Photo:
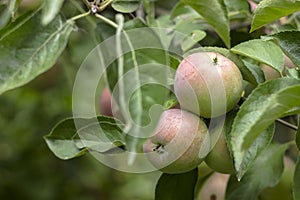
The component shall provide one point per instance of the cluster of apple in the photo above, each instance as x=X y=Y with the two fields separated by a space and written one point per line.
x=207 y=85
x=202 y=79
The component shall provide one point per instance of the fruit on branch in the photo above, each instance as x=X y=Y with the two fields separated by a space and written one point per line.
x=288 y=62
x=271 y=73
x=175 y=145
x=219 y=158
x=105 y=102
x=252 y=5
x=283 y=190
x=108 y=106
x=214 y=188
x=208 y=84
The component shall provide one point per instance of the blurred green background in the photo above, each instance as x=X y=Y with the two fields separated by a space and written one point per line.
x=28 y=169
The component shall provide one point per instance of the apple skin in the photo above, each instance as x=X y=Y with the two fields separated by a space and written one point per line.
x=208 y=84
x=252 y=5
x=214 y=188
x=283 y=190
x=105 y=102
x=271 y=73
x=174 y=147
x=288 y=62
x=219 y=158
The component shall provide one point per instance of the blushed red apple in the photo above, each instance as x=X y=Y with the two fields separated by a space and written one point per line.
x=214 y=188
x=105 y=102
x=271 y=73
x=208 y=84
x=176 y=142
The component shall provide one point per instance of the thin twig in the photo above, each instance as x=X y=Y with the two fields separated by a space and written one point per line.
x=80 y=16
x=77 y=5
x=106 y=20
x=287 y=124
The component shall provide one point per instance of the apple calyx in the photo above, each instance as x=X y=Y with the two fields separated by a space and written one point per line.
x=159 y=149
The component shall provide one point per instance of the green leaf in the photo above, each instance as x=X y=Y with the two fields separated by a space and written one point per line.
x=135 y=23
x=9 y=12
x=112 y=70
x=190 y=40
x=215 y=14
x=260 y=143
x=4 y=16
x=186 y=34
x=296 y=185
x=237 y=9
x=51 y=9
x=171 y=103
x=283 y=189
x=263 y=51
x=270 y=10
x=176 y=186
x=256 y=148
x=298 y=134
x=293 y=111
x=28 y=49
x=265 y=172
x=182 y=9
x=289 y=43
x=149 y=10
x=256 y=72
x=139 y=91
x=188 y=25
x=293 y=73
x=73 y=136
x=264 y=105
x=125 y=6
x=145 y=61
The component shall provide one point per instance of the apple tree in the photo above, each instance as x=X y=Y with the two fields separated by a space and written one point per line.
x=207 y=92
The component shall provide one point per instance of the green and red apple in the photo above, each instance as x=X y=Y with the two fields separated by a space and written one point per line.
x=208 y=84
x=270 y=73
x=177 y=140
x=105 y=102
x=214 y=187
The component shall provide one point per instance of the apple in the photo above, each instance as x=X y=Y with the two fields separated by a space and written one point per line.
x=271 y=73
x=283 y=190
x=213 y=188
x=203 y=172
x=177 y=140
x=288 y=62
x=105 y=102
x=253 y=5
x=219 y=158
x=208 y=84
